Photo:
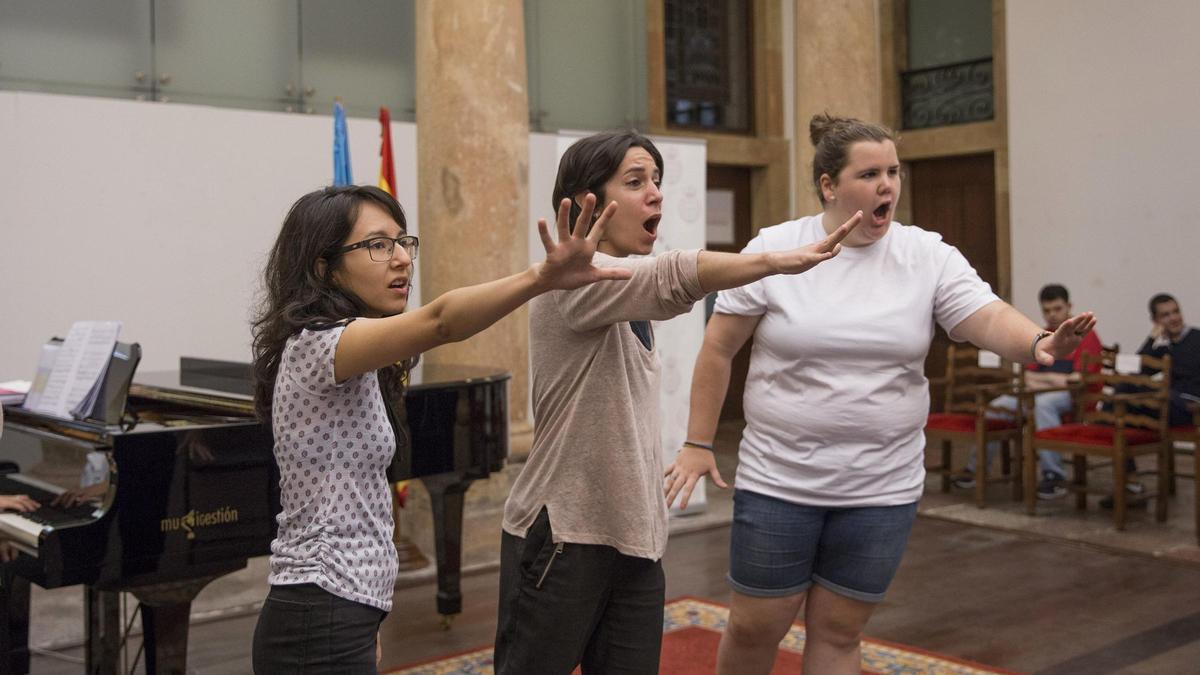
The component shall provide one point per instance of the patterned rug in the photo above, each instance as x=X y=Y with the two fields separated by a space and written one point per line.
x=691 y=632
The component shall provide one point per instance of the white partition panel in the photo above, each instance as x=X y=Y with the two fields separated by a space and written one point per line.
x=157 y=215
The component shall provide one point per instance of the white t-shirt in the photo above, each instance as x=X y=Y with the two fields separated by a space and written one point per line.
x=836 y=398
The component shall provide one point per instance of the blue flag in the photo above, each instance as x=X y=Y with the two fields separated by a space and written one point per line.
x=341 y=147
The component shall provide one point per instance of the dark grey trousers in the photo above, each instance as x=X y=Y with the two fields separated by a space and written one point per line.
x=576 y=604
x=303 y=628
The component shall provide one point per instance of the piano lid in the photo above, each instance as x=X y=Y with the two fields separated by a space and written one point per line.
x=208 y=381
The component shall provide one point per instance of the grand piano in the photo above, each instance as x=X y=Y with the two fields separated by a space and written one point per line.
x=185 y=489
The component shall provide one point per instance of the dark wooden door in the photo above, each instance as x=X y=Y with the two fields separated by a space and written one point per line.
x=736 y=179
x=956 y=197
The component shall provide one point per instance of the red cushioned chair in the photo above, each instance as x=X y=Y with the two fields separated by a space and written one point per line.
x=969 y=389
x=1186 y=434
x=1112 y=426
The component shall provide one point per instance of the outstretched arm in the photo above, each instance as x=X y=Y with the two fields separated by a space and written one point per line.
x=723 y=338
x=1000 y=328
x=370 y=344
x=719 y=271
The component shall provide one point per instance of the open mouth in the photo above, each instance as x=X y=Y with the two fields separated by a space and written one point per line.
x=881 y=212
x=399 y=284
x=651 y=224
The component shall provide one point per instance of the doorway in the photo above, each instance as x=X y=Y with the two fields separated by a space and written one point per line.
x=956 y=197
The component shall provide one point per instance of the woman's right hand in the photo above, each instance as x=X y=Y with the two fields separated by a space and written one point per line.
x=805 y=258
x=19 y=503
x=569 y=261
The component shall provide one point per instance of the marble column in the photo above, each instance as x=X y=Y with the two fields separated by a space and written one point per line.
x=473 y=173
x=837 y=71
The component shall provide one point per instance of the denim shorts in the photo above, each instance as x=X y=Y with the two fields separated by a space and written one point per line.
x=778 y=548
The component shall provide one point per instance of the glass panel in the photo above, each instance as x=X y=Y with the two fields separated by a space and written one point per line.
x=66 y=46
x=361 y=50
x=227 y=52
x=587 y=64
x=942 y=32
x=708 y=64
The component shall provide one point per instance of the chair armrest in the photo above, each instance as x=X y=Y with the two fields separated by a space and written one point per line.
x=1045 y=390
x=1140 y=397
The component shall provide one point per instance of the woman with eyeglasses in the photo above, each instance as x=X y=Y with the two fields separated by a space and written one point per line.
x=331 y=340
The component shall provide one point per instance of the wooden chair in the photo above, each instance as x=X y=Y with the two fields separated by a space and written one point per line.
x=1112 y=425
x=1186 y=434
x=1109 y=353
x=969 y=390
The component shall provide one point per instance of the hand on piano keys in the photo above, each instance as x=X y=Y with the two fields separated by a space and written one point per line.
x=79 y=496
x=18 y=503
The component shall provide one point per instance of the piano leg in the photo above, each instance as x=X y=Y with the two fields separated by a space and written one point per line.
x=446 y=492
x=103 y=609
x=165 y=631
x=14 y=624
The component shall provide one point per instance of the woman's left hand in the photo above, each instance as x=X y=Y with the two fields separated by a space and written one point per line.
x=689 y=467
x=1064 y=341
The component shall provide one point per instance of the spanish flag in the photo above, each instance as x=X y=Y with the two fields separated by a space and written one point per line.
x=387 y=183
x=387 y=167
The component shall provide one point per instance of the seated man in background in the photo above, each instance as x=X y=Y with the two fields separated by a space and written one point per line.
x=1170 y=335
x=1049 y=406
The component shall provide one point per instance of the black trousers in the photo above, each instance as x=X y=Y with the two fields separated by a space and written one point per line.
x=303 y=628
x=563 y=605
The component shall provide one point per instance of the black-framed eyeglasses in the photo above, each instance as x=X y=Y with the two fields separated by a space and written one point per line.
x=381 y=249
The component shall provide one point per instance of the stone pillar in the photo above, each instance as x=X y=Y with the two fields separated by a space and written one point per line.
x=473 y=173
x=837 y=70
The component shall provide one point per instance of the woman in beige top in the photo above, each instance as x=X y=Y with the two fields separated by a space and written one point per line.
x=585 y=526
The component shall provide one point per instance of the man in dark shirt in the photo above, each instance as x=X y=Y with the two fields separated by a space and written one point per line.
x=1170 y=335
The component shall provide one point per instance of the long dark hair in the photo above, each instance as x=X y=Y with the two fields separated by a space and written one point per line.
x=298 y=293
x=588 y=164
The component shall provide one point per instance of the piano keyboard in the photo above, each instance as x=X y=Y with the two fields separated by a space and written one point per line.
x=26 y=528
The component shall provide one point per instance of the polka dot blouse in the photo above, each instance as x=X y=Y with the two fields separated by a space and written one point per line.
x=333 y=443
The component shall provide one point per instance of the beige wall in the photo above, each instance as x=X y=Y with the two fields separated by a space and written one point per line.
x=1104 y=139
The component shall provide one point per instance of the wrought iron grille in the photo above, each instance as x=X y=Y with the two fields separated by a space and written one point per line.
x=953 y=94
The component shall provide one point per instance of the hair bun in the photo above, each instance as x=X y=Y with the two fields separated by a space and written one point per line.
x=822 y=124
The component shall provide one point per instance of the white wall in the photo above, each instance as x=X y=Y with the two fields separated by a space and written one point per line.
x=157 y=215
x=1104 y=142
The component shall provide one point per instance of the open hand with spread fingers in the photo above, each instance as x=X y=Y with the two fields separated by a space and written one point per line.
x=805 y=258
x=1063 y=342
x=569 y=261
x=690 y=467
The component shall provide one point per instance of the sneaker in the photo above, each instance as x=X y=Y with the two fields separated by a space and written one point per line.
x=1051 y=486
x=964 y=480
x=1133 y=489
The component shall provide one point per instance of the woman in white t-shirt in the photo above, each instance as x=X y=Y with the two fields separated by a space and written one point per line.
x=331 y=340
x=831 y=459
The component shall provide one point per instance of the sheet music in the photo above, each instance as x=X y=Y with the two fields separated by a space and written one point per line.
x=81 y=361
